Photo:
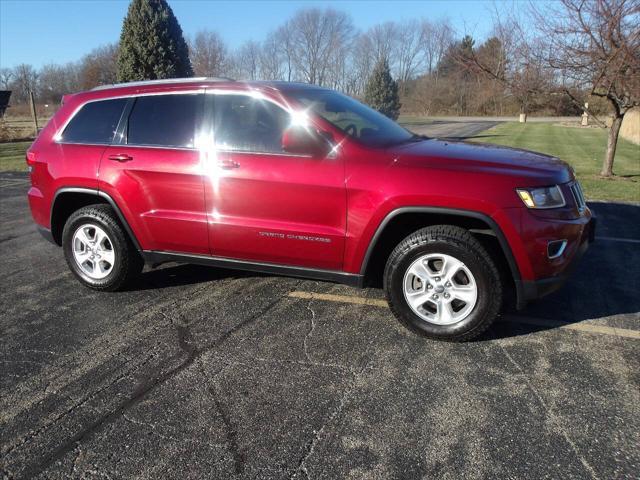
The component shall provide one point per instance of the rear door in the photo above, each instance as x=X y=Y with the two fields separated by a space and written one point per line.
x=80 y=144
x=154 y=172
x=264 y=204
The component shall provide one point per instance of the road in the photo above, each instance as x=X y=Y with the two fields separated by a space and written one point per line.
x=452 y=129
x=207 y=373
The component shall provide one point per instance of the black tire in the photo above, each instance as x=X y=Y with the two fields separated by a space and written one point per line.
x=459 y=243
x=128 y=263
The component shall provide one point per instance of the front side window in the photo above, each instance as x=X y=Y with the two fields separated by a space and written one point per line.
x=353 y=118
x=163 y=120
x=249 y=124
x=95 y=122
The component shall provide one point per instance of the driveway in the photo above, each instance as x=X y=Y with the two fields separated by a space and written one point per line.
x=208 y=373
x=452 y=129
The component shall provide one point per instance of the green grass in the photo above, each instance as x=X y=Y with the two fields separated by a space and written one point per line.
x=583 y=148
x=12 y=156
x=413 y=120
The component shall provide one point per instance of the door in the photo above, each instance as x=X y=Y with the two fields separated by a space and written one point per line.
x=155 y=174
x=263 y=204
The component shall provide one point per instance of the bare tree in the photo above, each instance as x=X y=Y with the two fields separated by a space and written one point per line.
x=317 y=37
x=436 y=39
x=6 y=76
x=384 y=40
x=99 y=66
x=54 y=81
x=361 y=63
x=247 y=61
x=208 y=54
x=595 y=44
x=25 y=81
x=409 y=52
x=272 y=58
x=284 y=38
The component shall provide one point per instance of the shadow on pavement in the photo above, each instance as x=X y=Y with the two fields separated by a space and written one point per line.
x=181 y=275
x=605 y=282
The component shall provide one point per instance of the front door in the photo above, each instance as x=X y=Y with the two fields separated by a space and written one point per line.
x=155 y=174
x=263 y=204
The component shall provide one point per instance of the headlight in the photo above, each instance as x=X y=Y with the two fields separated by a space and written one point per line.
x=544 y=197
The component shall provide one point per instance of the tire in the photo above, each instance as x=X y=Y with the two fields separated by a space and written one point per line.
x=98 y=250
x=421 y=266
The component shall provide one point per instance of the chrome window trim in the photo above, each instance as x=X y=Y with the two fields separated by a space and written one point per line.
x=60 y=142
x=205 y=91
x=159 y=147
x=59 y=131
x=271 y=154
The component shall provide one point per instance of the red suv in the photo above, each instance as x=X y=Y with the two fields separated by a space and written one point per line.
x=298 y=180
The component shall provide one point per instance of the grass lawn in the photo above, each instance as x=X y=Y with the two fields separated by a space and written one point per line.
x=583 y=148
x=12 y=156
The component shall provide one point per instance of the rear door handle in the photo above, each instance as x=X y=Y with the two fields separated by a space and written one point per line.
x=228 y=164
x=121 y=157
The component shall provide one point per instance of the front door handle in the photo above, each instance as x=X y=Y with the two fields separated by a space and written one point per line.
x=228 y=164
x=121 y=157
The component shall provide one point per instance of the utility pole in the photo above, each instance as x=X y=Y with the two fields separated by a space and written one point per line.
x=33 y=113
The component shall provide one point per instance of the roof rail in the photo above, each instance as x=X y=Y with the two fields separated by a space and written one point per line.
x=164 y=81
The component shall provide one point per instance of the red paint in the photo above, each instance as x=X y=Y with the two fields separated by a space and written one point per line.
x=297 y=210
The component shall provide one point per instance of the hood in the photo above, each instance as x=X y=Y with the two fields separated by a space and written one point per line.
x=484 y=158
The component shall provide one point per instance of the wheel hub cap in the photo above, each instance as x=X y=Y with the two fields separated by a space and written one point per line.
x=440 y=289
x=93 y=251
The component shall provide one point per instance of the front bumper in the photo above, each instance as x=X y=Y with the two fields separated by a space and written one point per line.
x=534 y=289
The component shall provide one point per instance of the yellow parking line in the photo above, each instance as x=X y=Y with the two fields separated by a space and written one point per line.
x=339 y=298
x=539 y=322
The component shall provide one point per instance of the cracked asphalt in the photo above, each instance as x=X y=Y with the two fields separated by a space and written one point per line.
x=208 y=373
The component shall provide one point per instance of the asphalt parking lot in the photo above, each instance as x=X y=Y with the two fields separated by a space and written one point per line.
x=206 y=373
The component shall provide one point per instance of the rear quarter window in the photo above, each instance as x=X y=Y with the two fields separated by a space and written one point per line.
x=95 y=122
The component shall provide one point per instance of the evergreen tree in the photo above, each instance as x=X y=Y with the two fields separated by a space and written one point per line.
x=151 y=43
x=381 y=92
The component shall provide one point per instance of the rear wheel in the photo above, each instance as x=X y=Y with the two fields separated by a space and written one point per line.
x=98 y=250
x=441 y=283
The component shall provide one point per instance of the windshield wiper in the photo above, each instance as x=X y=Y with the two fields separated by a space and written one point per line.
x=413 y=138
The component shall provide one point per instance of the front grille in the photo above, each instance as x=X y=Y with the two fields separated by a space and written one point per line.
x=578 y=196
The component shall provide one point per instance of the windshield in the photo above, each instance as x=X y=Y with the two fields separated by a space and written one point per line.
x=353 y=118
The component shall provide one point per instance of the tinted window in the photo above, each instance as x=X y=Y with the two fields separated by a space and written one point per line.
x=249 y=124
x=355 y=119
x=165 y=120
x=96 y=122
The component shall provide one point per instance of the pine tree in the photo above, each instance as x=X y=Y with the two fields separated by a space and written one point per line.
x=151 y=43
x=381 y=92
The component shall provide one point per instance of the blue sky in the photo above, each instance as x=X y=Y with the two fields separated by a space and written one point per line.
x=48 y=31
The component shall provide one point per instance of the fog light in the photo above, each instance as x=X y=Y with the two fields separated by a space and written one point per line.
x=556 y=248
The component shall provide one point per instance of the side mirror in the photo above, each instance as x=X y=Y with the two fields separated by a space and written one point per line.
x=305 y=141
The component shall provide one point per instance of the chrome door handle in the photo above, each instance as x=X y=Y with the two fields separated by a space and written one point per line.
x=121 y=157
x=228 y=164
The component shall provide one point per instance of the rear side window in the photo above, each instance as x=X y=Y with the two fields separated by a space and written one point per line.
x=163 y=120
x=249 y=124
x=96 y=122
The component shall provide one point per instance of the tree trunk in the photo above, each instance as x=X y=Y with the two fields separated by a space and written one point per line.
x=612 y=142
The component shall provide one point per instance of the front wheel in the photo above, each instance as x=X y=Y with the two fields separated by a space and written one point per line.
x=441 y=283
x=98 y=250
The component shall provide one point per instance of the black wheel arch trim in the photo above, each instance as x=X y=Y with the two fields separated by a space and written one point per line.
x=521 y=297
x=105 y=196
